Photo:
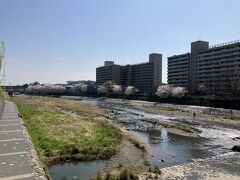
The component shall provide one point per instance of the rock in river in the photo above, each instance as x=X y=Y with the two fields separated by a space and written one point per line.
x=236 y=148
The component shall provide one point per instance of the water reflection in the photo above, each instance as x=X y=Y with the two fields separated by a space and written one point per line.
x=169 y=149
x=81 y=170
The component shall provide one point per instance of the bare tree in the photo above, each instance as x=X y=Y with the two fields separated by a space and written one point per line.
x=233 y=83
x=208 y=87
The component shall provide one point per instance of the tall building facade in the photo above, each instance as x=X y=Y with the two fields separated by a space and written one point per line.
x=108 y=72
x=219 y=68
x=215 y=67
x=145 y=76
x=178 y=69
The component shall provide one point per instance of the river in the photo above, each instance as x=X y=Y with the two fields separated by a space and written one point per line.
x=166 y=148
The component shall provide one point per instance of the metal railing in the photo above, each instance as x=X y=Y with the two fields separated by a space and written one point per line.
x=224 y=44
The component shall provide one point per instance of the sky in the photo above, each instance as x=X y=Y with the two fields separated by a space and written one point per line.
x=52 y=41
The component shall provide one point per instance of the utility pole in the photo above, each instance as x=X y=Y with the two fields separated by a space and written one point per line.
x=2 y=69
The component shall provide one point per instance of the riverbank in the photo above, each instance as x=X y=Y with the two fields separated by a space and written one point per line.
x=161 y=129
x=186 y=153
x=222 y=166
x=66 y=131
x=60 y=137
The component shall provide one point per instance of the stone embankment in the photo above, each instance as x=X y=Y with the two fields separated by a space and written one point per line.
x=18 y=157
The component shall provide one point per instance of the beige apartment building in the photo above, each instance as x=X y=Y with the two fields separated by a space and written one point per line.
x=145 y=76
x=215 y=68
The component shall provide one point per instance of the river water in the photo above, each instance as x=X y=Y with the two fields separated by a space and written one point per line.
x=166 y=149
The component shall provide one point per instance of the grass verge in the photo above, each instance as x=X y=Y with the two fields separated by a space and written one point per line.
x=61 y=137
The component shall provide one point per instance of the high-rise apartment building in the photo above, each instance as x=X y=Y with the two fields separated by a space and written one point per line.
x=178 y=69
x=213 y=67
x=108 y=72
x=219 y=68
x=145 y=76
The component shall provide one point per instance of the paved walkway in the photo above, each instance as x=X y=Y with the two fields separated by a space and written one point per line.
x=14 y=158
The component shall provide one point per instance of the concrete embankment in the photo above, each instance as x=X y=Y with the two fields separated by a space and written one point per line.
x=18 y=157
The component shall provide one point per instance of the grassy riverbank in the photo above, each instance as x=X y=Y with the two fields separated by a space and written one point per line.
x=59 y=134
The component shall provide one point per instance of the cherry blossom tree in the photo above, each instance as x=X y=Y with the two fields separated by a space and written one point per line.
x=116 y=89
x=46 y=88
x=178 y=91
x=164 y=91
x=170 y=91
x=80 y=88
x=130 y=90
x=101 y=90
x=106 y=88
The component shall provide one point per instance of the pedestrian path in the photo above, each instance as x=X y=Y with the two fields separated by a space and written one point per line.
x=14 y=157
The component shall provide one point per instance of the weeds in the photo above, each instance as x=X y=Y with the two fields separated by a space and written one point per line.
x=124 y=175
x=58 y=136
x=136 y=143
x=155 y=170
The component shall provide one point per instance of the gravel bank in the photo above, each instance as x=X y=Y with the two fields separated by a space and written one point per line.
x=222 y=167
x=129 y=157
